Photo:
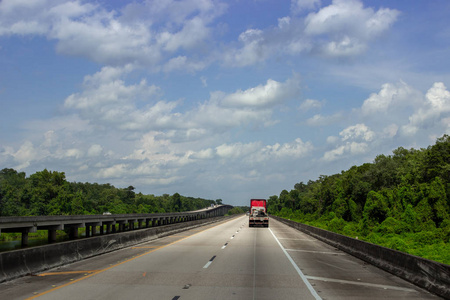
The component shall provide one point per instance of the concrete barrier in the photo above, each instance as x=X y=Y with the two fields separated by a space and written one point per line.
x=17 y=263
x=427 y=274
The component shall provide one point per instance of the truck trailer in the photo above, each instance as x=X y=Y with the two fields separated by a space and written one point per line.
x=258 y=213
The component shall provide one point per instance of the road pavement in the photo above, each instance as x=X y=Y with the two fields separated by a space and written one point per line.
x=226 y=260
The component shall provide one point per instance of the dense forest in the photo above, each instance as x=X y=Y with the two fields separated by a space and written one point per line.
x=400 y=201
x=49 y=193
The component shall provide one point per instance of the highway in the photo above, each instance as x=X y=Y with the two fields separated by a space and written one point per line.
x=226 y=260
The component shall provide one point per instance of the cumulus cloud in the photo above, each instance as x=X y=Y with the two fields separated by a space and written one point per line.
x=142 y=34
x=155 y=157
x=267 y=95
x=347 y=26
x=433 y=113
x=396 y=112
x=109 y=102
x=253 y=50
x=400 y=110
x=169 y=35
x=355 y=140
x=391 y=97
x=358 y=131
x=350 y=148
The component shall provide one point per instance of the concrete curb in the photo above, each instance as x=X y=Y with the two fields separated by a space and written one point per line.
x=427 y=274
x=17 y=263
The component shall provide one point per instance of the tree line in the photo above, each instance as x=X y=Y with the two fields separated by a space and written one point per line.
x=49 y=193
x=401 y=201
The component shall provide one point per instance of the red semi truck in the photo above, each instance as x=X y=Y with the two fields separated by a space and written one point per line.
x=258 y=213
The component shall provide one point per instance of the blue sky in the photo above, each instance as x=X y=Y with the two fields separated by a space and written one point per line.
x=218 y=99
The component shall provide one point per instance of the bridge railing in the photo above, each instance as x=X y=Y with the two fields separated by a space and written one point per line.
x=101 y=224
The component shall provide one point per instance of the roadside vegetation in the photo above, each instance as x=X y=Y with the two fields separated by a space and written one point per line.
x=237 y=210
x=400 y=201
x=49 y=193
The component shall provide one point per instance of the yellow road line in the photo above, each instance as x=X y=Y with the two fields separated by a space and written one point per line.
x=145 y=247
x=66 y=273
x=118 y=264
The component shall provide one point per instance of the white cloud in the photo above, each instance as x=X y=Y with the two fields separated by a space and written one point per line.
x=355 y=140
x=284 y=22
x=115 y=171
x=397 y=112
x=237 y=150
x=25 y=155
x=391 y=97
x=142 y=34
x=358 y=131
x=347 y=26
x=434 y=111
x=295 y=149
x=95 y=150
x=75 y=153
x=107 y=102
x=271 y=93
x=255 y=153
x=347 y=23
x=332 y=139
x=391 y=130
x=169 y=35
x=310 y=104
x=182 y=63
x=350 y=148
x=190 y=36
x=320 y=120
x=253 y=49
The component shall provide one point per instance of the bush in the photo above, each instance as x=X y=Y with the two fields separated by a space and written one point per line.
x=351 y=229
x=336 y=225
x=428 y=237
x=392 y=225
x=397 y=243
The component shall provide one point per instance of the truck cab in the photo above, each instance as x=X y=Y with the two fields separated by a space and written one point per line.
x=258 y=213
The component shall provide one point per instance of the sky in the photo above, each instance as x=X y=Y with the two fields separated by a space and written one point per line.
x=215 y=99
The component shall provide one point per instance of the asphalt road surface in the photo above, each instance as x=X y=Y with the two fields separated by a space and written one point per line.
x=226 y=260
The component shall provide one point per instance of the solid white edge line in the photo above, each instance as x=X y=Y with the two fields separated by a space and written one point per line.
x=302 y=276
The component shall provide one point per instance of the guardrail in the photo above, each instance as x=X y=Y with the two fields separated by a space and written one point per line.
x=427 y=274
x=110 y=223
